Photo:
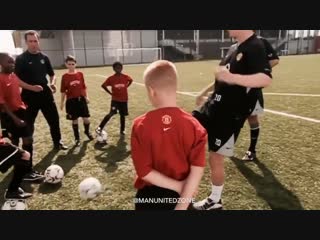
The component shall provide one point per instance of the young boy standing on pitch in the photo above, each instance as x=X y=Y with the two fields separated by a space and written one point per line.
x=167 y=146
x=73 y=86
x=119 y=84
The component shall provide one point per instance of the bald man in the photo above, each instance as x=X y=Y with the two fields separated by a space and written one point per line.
x=167 y=146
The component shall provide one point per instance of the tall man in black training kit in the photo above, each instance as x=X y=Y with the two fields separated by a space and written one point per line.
x=255 y=96
x=32 y=67
x=227 y=108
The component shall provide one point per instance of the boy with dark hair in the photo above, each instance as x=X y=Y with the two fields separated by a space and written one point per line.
x=13 y=116
x=73 y=86
x=119 y=84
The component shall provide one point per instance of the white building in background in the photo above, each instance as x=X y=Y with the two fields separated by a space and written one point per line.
x=7 y=43
x=98 y=47
x=305 y=33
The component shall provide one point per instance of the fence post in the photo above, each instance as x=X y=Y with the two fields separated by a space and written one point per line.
x=102 y=42
x=298 y=39
x=84 y=48
x=198 y=43
x=141 y=60
x=122 y=47
x=279 y=38
x=288 y=42
x=62 y=47
x=308 y=41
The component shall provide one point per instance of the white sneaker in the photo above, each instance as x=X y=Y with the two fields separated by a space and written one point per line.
x=208 y=204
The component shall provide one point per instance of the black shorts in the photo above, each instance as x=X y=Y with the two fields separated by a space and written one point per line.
x=77 y=107
x=223 y=129
x=8 y=125
x=9 y=155
x=223 y=133
x=156 y=198
x=121 y=107
x=256 y=103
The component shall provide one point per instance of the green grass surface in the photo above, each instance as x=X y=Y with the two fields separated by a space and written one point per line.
x=285 y=177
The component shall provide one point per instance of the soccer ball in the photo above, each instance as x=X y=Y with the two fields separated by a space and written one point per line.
x=102 y=137
x=14 y=204
x=53 y=174
x=90 y=188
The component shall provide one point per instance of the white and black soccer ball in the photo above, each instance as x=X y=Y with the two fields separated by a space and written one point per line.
x=90 y=188
x=53 y=174
x=102 y=137
x=14 y=204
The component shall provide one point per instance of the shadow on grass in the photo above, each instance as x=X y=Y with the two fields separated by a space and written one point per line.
x=114 y=154
x=268 y=186
x=66 y=162
x=46 y=161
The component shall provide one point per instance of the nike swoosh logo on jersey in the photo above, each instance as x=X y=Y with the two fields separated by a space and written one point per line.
x=165 y=129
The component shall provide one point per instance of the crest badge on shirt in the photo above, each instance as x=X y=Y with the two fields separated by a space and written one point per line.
x=239 y=56
x=42 y=61
x=166 y=119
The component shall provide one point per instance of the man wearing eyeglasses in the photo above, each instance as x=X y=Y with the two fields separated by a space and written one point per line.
x=32 y=67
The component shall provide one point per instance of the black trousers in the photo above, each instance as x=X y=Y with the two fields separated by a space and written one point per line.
x=11 y=155
x=44 y=102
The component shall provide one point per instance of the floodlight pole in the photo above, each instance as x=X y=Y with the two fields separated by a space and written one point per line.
x=196 y=34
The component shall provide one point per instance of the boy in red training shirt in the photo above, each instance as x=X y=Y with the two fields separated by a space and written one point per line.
x=119 y=84
x=167 y=146
x=13 y=112
x=74 y=87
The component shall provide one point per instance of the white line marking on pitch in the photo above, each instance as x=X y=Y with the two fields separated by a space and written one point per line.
x=268 y=93
x=187 y=93
x=292 y=116
x=293 y=94
x=267 y=110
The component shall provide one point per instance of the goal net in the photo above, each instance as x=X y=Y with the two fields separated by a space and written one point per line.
x=138 y=55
